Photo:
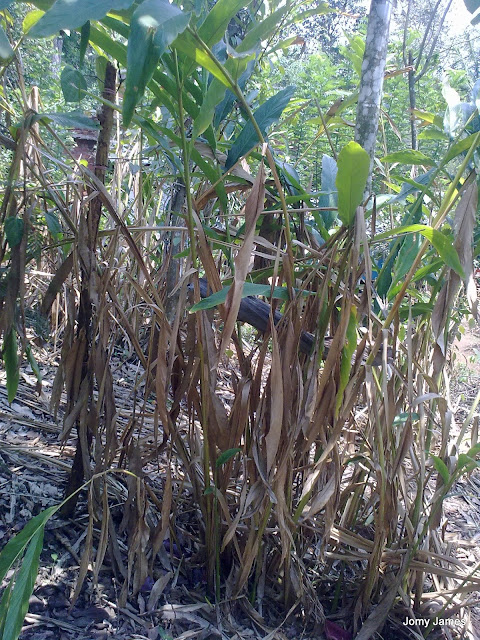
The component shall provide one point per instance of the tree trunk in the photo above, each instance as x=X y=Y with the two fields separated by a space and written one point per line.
x=413 y=100
x=371 y=83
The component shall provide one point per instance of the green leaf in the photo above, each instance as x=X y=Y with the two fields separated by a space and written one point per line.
x=441 y=242
x=432 y=134
x=72 y=120
x=84 y=39
x=460 y=146
x=266 y=115
x=10 y=358
x=474 y=451
x=16 y=545
x=216 y=93
x=31 y=18
x=72 y=14
x=53 y=224
x=225 y=456
x=465 y=462
x=441 y=467
x=33 y=363
x=409 y=156
x=406 y=256
x=14 y=231
x=24 y=583
x=73 y=84
x=4 y=604
x=6 y=51
x=155 y=25
x=472 y=5
x=353 y=167
x=249 y=289
x=216 y=22
x=100 y=70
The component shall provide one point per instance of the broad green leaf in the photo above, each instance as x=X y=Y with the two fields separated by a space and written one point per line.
x=406 y=256
x=4 y=605
x=225 y=456
x=10 y=358
x=72 y=14
x=6 y=51
x=460 y=146
x=465 y=462
x=31 y=18
x=266 y=115
x=417 y=309
x=249 y=289
x=187 y=44
x=441 y=242
x=73 y=84
x=432 y=134
x=329 y=196
x=216 y=94
x=100 y=71
x=474 y=451
x=53 y=224
x=23 y=588
x=155 y=25
x=216 y=22
x=409 y=156
x=426 y=116
x=72 y=120
x=472 y=5
x=14 y=231
x=84 y=39
x=442 y=469
x=16 y=545
x=353 y=167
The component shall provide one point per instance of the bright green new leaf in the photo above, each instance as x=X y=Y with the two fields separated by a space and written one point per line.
x=73 y=84
x=10 y=358
x=6 y=51
x=353 y=167
x=13 y=231
x=409 y=156
x=441 y=242
x=72 y=14
x=155 y=25
x=442 y=469
x=23 y=588
x=225 y=456
x=266 y=115
x=32 y=18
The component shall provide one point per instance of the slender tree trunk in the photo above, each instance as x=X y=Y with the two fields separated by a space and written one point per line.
x=413 y=100
x=371 y=83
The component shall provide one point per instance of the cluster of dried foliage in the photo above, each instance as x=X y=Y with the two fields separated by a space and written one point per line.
x=311 y=480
